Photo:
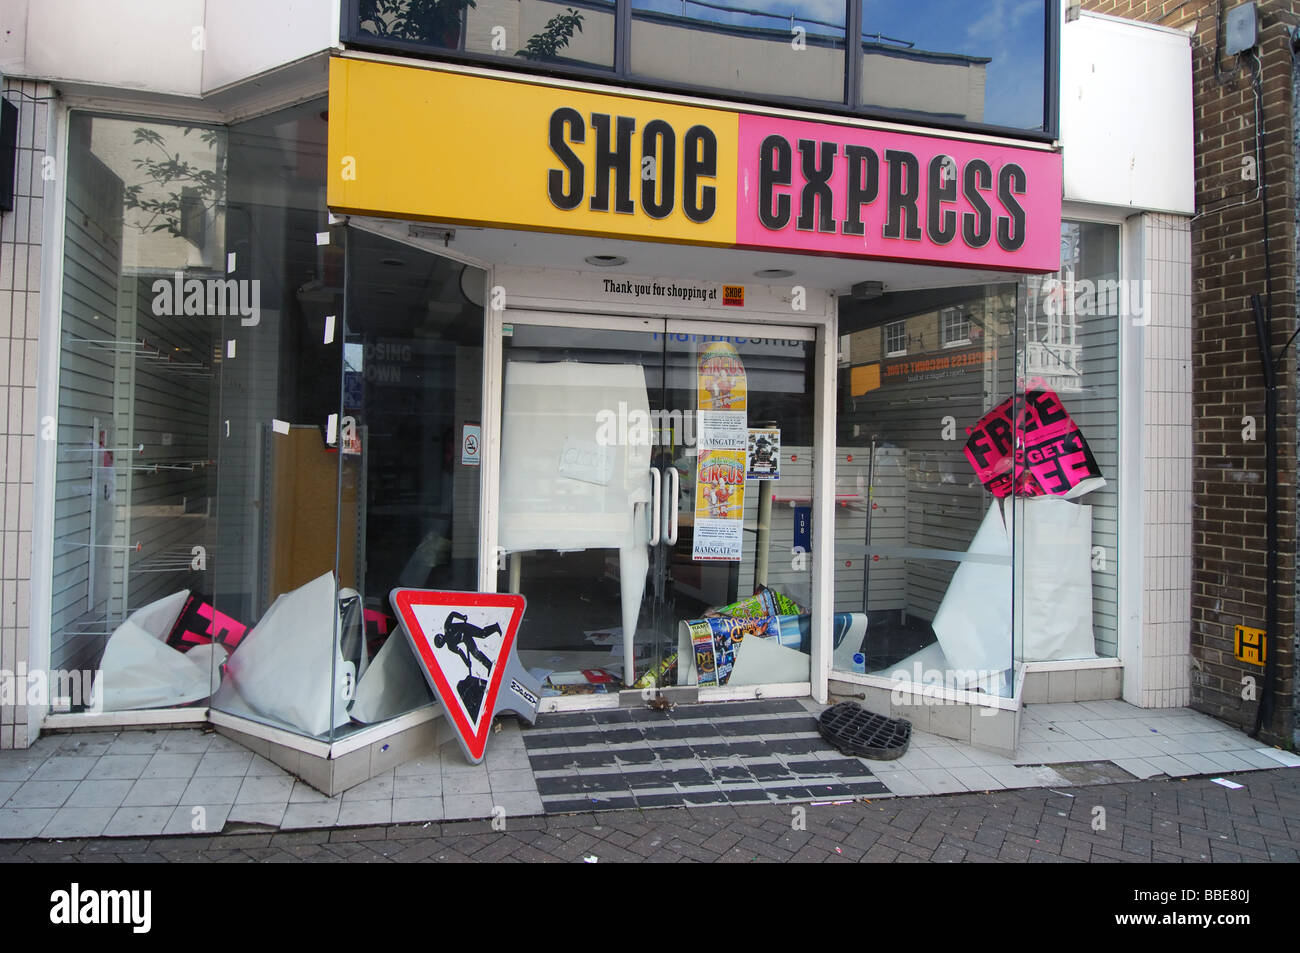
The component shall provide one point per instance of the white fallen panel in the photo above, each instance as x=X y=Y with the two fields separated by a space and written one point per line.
x=289 y=668
x=973 y=623
x=140 y=670
x=1055 y=621
x=767 y=662
x=392 y=684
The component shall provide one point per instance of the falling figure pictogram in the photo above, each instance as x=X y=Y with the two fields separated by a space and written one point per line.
x=458 y=634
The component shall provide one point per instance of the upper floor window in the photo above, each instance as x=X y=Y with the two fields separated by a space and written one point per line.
x=954 y=327
x=896 y=339
x=957 y=61
x=769 y=48
x=943 y=62
x=570 y=34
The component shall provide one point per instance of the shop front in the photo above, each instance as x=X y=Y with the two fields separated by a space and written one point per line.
x=745 y=403
x=669 y=316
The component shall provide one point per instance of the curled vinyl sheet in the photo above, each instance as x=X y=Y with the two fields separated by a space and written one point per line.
x=140 y=670
x=283 y=667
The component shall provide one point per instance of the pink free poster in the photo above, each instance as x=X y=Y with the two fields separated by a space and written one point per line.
x=855 y=192
x=1031 y=446
x=199 y=623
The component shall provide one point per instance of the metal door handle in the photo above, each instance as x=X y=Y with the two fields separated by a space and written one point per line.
x=664 y=518
x=656 y=501
x=672 y=509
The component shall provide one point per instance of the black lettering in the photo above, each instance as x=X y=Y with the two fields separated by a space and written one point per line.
x=904 y=190
x=1053 y=475
x=555 y=178
x=941 y=223
x=1011 y=227
x=994 y=439
x=1046 y=409
x=864 y=186
x=699 y=160
x=774 y=168
x=659 y=141
x=1069 y=444
x=977 y=228
x=618 y=160
x=979 y=450
x=817 y=187
x=999 y=431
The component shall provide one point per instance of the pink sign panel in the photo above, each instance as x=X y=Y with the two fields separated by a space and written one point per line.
x=854 y=192
x=199 y=623
x=1033 y=441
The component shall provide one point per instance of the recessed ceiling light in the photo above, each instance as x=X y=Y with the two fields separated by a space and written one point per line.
x=773 y=273
x=605 y=261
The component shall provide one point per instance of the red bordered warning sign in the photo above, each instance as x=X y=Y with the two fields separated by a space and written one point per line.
x=464 y=641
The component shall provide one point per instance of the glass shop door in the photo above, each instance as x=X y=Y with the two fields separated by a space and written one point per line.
x=640 y=496
x=738 y=590
x=581 y=524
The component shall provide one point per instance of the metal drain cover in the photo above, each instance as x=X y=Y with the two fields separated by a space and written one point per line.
x=853 y=730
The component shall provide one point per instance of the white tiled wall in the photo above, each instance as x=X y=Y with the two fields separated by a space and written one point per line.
x=20 y=282
x=1167 y=466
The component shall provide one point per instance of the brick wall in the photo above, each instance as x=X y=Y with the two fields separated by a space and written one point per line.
x=1228 y=266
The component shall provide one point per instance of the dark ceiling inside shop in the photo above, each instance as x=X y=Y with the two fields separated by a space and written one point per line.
x=395 y=290
x=860 y=315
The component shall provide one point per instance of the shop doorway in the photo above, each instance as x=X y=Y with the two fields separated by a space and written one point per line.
x=656 y=482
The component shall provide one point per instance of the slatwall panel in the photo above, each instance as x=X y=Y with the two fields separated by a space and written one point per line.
x=1092 y=400
x=148 y=380
x=942 y=501
x=795 y=488
x=170 y=484
x=1096 y=411
x=124 y=463
x=885 y=486
x=92 y=264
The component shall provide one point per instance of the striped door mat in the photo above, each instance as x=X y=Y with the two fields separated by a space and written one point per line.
x=722 y=753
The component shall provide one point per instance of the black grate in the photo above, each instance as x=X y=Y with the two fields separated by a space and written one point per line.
x=853 y=730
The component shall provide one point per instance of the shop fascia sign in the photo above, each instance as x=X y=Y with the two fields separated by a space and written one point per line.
x=520 y=155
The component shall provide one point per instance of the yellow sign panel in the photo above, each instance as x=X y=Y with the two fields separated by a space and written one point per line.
x=447 y=147
x=1249 y=644
x=863 y=379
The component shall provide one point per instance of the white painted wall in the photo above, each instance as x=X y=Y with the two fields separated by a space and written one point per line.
x=1126 y=114
x=123 y=43
x=181 y=47
x=247 y=37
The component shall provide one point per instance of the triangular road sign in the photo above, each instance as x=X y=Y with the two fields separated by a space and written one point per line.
x=465 y=642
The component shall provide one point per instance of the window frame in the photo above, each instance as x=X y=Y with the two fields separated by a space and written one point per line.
x=901 y=325
x=964 y=319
